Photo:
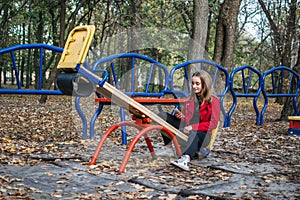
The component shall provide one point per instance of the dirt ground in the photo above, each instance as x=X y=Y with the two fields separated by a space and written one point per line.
x=42 y=156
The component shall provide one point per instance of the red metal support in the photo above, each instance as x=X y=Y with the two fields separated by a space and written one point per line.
x=140 y=124
x=143 y=132
x=149 y=144
x=106 y=134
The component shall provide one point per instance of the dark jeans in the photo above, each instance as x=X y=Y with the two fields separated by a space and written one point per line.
x=171 y=119
x=196 y=139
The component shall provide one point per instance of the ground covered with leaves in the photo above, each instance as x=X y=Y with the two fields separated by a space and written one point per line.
x=43 y=156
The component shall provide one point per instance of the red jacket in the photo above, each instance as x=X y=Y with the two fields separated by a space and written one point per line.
x=209 y=115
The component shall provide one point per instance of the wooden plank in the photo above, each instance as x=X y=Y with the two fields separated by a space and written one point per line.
x=294 y=118
x=126 y=102
x=147 y=100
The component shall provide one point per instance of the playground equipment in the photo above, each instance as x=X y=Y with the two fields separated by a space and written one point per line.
x=294 y=125
x=285 y=82
x=251 y=80
x=71 y=63
x=143 y=82
x=42 y=50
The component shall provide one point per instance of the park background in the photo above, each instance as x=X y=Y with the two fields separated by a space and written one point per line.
x=262 y=34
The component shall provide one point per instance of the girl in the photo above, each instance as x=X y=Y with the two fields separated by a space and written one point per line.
x=200 y=115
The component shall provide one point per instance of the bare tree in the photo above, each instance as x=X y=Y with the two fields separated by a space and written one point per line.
x=199 y=29
x=283 y=30
x=53 y=73
x=226 y=31
x=283 y=25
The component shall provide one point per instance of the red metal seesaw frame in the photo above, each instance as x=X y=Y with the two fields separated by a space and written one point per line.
x=143 y=128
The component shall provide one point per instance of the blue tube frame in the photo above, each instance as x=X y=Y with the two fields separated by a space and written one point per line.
x=281 y=94
x=96 y=80
x=19 y=90
x=131 y=93
x=246 y=87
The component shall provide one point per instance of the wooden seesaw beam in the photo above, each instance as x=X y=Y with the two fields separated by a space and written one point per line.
x=126 y=102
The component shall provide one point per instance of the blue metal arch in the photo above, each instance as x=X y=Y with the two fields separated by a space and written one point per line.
x=20 y=90
x=132 y=56
x=266 y=95
x=111 y=61
x=245 y=90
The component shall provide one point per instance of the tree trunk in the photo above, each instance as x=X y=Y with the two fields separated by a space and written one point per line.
x=288 y=109
x=133 y=43
x=28 y=64
x=135 y=26
x=136 y=40
x=3 y=35
x=226 y=33
x=199 y=30
x=28 y=70
x=297 y=68
x=39 y=37
x=23 y=55
x=53 y=73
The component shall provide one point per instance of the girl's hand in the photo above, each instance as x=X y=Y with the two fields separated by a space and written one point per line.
x=178 y=114
x=187 y=129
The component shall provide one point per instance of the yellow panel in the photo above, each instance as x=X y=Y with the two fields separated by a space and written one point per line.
x=213 y=138
x=294 y=118
x=76 y=47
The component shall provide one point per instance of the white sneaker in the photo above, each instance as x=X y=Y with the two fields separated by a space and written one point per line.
x=166 y=151
x=182 y=163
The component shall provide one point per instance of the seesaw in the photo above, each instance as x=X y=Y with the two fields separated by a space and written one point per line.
x=75 y=79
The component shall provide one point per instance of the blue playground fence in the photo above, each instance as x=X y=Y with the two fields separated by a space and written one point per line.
x=242 y=82
x=251 y=80
x=137 y=63
x=20 y=89
x=285 y=82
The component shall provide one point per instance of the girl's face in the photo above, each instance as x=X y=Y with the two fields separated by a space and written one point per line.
x=196 y=84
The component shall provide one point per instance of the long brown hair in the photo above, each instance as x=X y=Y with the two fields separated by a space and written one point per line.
x=207 y=90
